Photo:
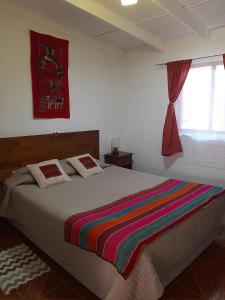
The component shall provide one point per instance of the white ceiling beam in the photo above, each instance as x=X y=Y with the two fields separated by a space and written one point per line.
x=196 y=4
x=101 y=12
x=176 y=10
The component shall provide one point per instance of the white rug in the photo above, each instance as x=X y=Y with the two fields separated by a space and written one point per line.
x=19 y=265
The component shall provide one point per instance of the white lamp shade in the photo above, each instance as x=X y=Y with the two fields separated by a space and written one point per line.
x=115 y=143
x=128 y=2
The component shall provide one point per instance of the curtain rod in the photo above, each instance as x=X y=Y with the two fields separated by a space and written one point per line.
x=209 y=56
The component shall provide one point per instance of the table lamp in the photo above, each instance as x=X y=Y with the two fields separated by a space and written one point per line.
x=115 y=144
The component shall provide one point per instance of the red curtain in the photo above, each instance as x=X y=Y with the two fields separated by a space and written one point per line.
x=224 y=60
x=177 y=72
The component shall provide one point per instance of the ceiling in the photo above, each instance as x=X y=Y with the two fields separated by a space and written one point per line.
x=150 y=22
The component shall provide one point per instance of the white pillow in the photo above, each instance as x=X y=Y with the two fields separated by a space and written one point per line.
x=85 y=164
x=48 y=173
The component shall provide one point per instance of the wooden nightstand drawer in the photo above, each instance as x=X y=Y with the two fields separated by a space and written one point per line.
x=123 y=159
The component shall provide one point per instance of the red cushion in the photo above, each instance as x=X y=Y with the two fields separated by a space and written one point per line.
x=87 y=162
x=50 y=171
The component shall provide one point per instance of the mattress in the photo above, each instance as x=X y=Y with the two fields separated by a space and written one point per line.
x=40 y=214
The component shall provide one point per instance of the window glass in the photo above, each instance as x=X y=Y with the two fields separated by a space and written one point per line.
x=218 y=112
x=196 y=99
x=201 y=105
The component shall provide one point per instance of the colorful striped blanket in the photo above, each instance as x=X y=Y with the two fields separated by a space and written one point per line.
x=118 y=231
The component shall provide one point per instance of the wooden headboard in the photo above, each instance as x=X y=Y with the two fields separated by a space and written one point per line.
x=16 y=152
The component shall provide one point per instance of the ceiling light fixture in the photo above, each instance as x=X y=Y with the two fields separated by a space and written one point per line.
x=128 y=2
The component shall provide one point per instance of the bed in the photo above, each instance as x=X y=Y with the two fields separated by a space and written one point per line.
x=159 y=263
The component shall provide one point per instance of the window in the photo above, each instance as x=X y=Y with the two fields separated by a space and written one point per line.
x=201 y=107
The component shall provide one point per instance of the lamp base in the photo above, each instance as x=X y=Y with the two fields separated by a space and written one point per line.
x=115 y=151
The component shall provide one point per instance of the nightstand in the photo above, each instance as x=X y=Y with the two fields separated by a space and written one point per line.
x=123 y=159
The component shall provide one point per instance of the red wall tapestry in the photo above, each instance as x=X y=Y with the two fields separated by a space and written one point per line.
x=49 y=70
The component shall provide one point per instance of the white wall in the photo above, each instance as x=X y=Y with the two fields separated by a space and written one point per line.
x=96 y=78
x=97 y=89
x=147 y=100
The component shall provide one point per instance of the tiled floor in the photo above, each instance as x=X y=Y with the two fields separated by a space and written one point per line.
x=203 y=280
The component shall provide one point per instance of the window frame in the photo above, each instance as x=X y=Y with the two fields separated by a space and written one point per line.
x=179 y=104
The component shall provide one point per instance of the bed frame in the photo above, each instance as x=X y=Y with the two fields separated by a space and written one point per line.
x=16 y=152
